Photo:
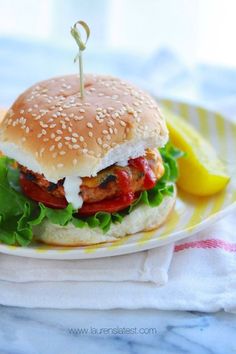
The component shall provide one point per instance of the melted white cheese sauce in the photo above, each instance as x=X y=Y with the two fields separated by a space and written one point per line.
x=122 y=163
x=72 y=190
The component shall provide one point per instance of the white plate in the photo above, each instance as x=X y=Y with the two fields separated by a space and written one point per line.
x=191 y=214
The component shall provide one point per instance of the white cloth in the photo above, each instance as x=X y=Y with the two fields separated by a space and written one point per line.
x=149 y=266
x=202 y=276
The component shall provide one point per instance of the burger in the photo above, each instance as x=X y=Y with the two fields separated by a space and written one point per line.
x=80 y=171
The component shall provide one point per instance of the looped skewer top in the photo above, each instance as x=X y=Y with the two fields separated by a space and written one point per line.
x=82 y=46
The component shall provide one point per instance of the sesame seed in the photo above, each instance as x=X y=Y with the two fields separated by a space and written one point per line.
x=67 y=138
x=59 y=145
x=130 y=110
x=69 y=130
x=122 y=123
x=52 y=125
x=111 y=130
x=43 y=125
x=58 y=138
x=27 y=130
x=79 y=118
x=22 y=120
x=104 y=132
x=99 y=141
x=105 y=146
x=85 y=151
x=76 y=146
x=81 y=110
x=11 y=113
x=81 y=138
x=115 y=115
x=22 y=111
x=90 y=134
x=110 y=123
x=41 y=151
x=74 y=140
x=75 y=135
x=89 y=125
x=62 y=152
x=59 y=131
x=52 y=147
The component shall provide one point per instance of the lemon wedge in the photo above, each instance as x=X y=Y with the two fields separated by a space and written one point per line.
x=201 y=171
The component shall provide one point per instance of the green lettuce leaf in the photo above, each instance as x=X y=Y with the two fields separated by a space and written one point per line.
x=18 y=214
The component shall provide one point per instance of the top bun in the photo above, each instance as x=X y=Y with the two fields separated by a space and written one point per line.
x=51 y=130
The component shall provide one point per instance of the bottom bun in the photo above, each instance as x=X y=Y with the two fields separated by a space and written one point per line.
x=143 y=218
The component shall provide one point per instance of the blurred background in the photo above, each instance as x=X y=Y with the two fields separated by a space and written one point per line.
x=181 y=49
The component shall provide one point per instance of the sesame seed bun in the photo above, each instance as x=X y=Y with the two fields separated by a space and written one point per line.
x=51 y=130
x=143 y=218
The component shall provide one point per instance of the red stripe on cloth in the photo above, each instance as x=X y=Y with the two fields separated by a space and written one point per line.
x=207 y=244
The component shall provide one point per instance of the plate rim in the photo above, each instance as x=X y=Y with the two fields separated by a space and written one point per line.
x=72 y=253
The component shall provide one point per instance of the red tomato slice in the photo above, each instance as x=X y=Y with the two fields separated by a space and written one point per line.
x=109 y=205
x=34 y=192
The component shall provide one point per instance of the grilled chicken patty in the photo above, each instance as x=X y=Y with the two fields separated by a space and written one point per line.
x=106 y=185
